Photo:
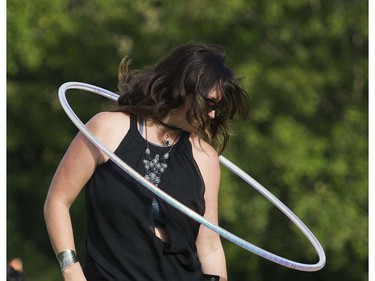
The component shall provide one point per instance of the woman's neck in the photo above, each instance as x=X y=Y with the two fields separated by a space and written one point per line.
x=160 y=134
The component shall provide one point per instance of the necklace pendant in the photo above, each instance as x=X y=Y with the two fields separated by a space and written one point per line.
x=166 y=142
x=154 y=166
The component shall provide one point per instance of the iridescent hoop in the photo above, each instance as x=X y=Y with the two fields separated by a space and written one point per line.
x=176 y=204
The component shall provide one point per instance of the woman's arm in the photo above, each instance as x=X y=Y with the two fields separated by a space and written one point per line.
x=75 y=169
x=210 y=249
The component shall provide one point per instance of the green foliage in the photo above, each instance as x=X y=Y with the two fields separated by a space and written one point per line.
x=304 y=65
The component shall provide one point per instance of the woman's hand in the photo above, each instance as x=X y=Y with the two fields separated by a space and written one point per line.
x=74 y=273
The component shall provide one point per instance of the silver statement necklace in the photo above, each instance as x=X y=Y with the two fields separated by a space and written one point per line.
x=156 y=166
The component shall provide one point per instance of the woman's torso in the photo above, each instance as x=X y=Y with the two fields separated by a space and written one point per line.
x=121 y=241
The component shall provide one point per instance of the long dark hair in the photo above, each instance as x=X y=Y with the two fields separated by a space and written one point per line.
x=194 y=70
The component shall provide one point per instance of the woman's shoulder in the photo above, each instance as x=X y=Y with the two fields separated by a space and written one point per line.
x=110 y=116
x=106 y=120
x=109 y=127
x=208 y=163
x=202 y=150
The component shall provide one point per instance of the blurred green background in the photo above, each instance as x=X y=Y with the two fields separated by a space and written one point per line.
x=304 y=64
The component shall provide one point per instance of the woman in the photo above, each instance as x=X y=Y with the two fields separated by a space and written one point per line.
x=168 y=119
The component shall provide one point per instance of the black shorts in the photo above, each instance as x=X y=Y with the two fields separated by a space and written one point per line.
x=93 y=274
x=207 y=277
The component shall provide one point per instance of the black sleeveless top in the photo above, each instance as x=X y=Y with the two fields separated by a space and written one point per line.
x=121 y=243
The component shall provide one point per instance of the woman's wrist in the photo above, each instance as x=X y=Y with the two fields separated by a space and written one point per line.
x=66 y=258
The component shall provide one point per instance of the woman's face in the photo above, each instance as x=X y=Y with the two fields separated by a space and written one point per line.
x=178 y=119
x=213 y=97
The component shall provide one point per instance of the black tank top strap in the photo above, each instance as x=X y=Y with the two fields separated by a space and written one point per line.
x=185 y=136
x=133 y=123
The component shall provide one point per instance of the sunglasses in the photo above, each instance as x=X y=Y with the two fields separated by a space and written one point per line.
x=213 y=105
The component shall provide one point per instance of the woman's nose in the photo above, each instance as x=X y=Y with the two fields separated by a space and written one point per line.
x=211 y=114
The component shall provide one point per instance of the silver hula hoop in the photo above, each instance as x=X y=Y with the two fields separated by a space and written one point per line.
x=179 y=206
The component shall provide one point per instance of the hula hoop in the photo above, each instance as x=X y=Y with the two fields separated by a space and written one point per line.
x=179 y=206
